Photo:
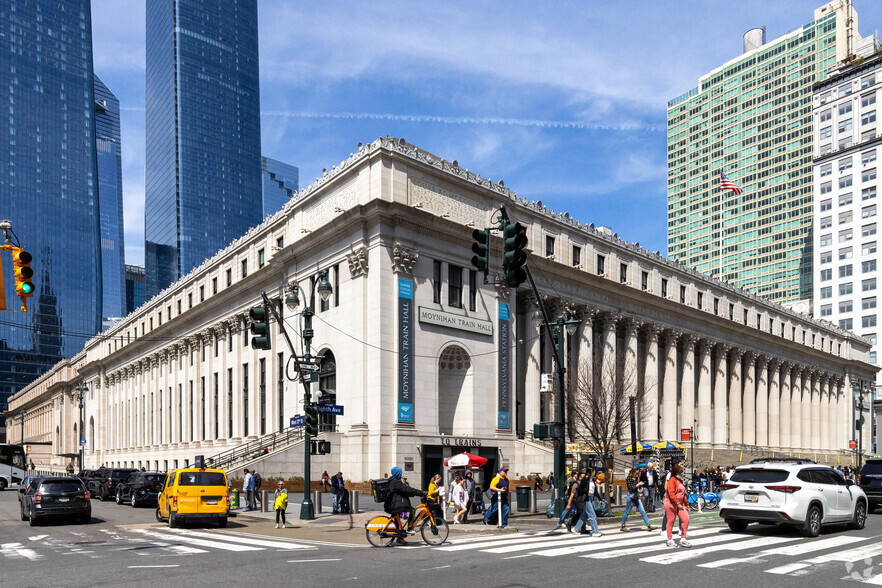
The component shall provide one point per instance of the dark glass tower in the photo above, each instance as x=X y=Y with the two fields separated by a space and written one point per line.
x=203 y=178
x=48 y=183
x=279 y=184
x=134 y=288
x=110 y=201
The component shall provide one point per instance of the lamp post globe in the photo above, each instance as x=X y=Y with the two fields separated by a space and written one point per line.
x=292 y=300
x=324 y=286
x=537 y=318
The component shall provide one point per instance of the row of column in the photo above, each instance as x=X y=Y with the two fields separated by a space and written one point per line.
x=730 y=395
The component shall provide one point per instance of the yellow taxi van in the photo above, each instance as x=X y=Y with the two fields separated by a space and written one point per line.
x=194 y=495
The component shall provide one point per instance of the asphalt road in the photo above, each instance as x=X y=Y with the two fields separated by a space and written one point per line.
x=127 y=547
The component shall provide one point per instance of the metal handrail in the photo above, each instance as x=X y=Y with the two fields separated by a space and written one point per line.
x=255 y=448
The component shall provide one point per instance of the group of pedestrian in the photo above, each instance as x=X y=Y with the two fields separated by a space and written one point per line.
x=251 y=485
x=544 y=485
x=582 y=489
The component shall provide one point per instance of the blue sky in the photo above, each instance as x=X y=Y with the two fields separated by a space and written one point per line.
x=564 y=101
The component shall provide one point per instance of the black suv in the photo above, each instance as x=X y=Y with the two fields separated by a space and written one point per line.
x=103 y=483
x=140 y=487
x=56 y=496
x=870 y=479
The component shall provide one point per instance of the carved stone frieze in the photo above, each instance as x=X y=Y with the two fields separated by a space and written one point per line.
x=444 y=202
x=403 y=259
x=324 y=211
x=358 y=262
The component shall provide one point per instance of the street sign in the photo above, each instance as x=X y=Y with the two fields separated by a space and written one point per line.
x=330 y=409
x=685 y=434
x=297 y=420
x=309 y=367
x=852 y=444
x=82 y=442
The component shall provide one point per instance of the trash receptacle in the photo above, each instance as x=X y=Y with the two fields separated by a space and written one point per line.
x=524 y=498
x=234 y=503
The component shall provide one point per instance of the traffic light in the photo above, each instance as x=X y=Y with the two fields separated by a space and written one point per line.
x=319 y=447
x=514 y=239
x=481 y=248
x=548 y=430
x=24 y=287
x=259 y=327
x=311 y=420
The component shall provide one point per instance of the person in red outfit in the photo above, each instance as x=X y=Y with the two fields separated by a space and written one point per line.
x=675 y=506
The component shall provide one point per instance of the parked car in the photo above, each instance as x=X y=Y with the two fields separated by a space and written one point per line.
x=140 y=488
x=796 y=492
x=194 y=494
x=870 y=480
x=84 y=476
x=103 y=484
x=25 y=484
x=62 y=496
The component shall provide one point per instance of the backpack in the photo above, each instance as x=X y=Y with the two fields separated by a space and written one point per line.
x=257 y=481
x=380 y=489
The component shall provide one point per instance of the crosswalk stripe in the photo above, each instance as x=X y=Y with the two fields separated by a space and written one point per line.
x=17 y=549
x=661 y=545
x=787 y=551
x=686 y=554
x=539 y=539
x=241 y=539
x=845 y=556
x=590 y=544
x=202 y=542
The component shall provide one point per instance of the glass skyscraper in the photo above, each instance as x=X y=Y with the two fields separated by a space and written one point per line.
x=203 y=178
x=279 y=184
x=110 y=201
x=134 y=288
x=48 y=184
x=752 y=118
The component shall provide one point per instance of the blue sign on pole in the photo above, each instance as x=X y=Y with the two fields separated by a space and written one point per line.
x=330 y=409
x=82 y=441
x=297 y=420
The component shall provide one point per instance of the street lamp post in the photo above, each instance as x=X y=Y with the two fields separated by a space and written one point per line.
x=81 y=390
x=859 y=422
x=564 y=321
x=292 y=301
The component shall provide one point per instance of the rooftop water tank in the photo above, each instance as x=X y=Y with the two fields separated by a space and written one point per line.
x=754 y=39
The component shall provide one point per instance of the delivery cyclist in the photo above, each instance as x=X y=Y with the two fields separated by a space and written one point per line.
x=398 y=500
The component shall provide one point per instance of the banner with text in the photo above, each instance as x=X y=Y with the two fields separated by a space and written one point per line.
x=504 y=368
x=405 y=351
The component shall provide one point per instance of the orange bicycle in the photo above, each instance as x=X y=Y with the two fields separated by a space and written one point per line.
x=382 y=530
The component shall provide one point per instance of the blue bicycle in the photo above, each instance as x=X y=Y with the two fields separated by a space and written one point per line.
x=701 y=500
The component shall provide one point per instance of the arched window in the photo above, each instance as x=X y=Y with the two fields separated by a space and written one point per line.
x=328 y=386
x=456 y=412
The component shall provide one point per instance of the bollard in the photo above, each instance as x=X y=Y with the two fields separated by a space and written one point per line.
x=264 y=501
x=618 y=494
x=533 y=506
x=353 y=502
x=317 y=501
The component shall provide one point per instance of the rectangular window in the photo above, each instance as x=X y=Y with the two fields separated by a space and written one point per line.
x=745 y=316
x=682 y=294
x=473 y=290
x=716 y=306
x=826 y=240
x=845 y=306
x=601 y=265
x=868 y=135
x=845 y=236
x=868 y=321
x=846 y=323
x=869 y=248
x=868 y=193
x=826 y=204
x=868 y=303
x=868 y=175
x=664 y=287
x=845 y=125
x=261 y=261
x=189 y=300
x=201 y=293
x=845 y=253
x=826 y=188
x=845 y=289
x=280 y=242
x=826 y=309
x=868 y=285
x=826 y=170
x=827 y=292
x=214 y=285
x=846 y=142
x=868 y=230
x=844 y=164
x=229 y=278
x=549 y=246
x=868 y=157
x=825 y=133
x=436 y=282
x=845 y=217
x=454 y=286
x=700 y=301
x=868 y=117
x=826 y=257
x=245 y=399
x=844 y=182
x=826 y=275
x=623 y=273
x=868 y=81
x=826 y=222
x=731 y=311
x=825 y=116
x=577 y=256
x=245 y=264
x=644 y=281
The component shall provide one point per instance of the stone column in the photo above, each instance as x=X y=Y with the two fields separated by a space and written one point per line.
x=799 y=374
x=816 y=411
x=669 y=391
x=650 y=387
x=630 y=380
x=533 y=376
x=805 y=409
x=762 y=402
x=785 y=420
x=774 y=403
x=608 y=363
x=846 y=415
x=687 y=385
x=705 y=411
x=825 y=413
x=748 y=425
x=735 y=386
x=721 y=413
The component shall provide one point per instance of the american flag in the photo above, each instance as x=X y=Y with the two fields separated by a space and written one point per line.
x=727 y=184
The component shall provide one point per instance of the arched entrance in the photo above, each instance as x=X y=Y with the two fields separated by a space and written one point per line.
x=455 y=392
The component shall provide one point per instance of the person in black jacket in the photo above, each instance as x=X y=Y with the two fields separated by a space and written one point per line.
x=398 y=500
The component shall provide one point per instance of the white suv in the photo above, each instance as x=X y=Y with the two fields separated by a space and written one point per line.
x=795 y=492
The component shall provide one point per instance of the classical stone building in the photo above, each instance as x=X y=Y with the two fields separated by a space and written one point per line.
x=425 y=357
